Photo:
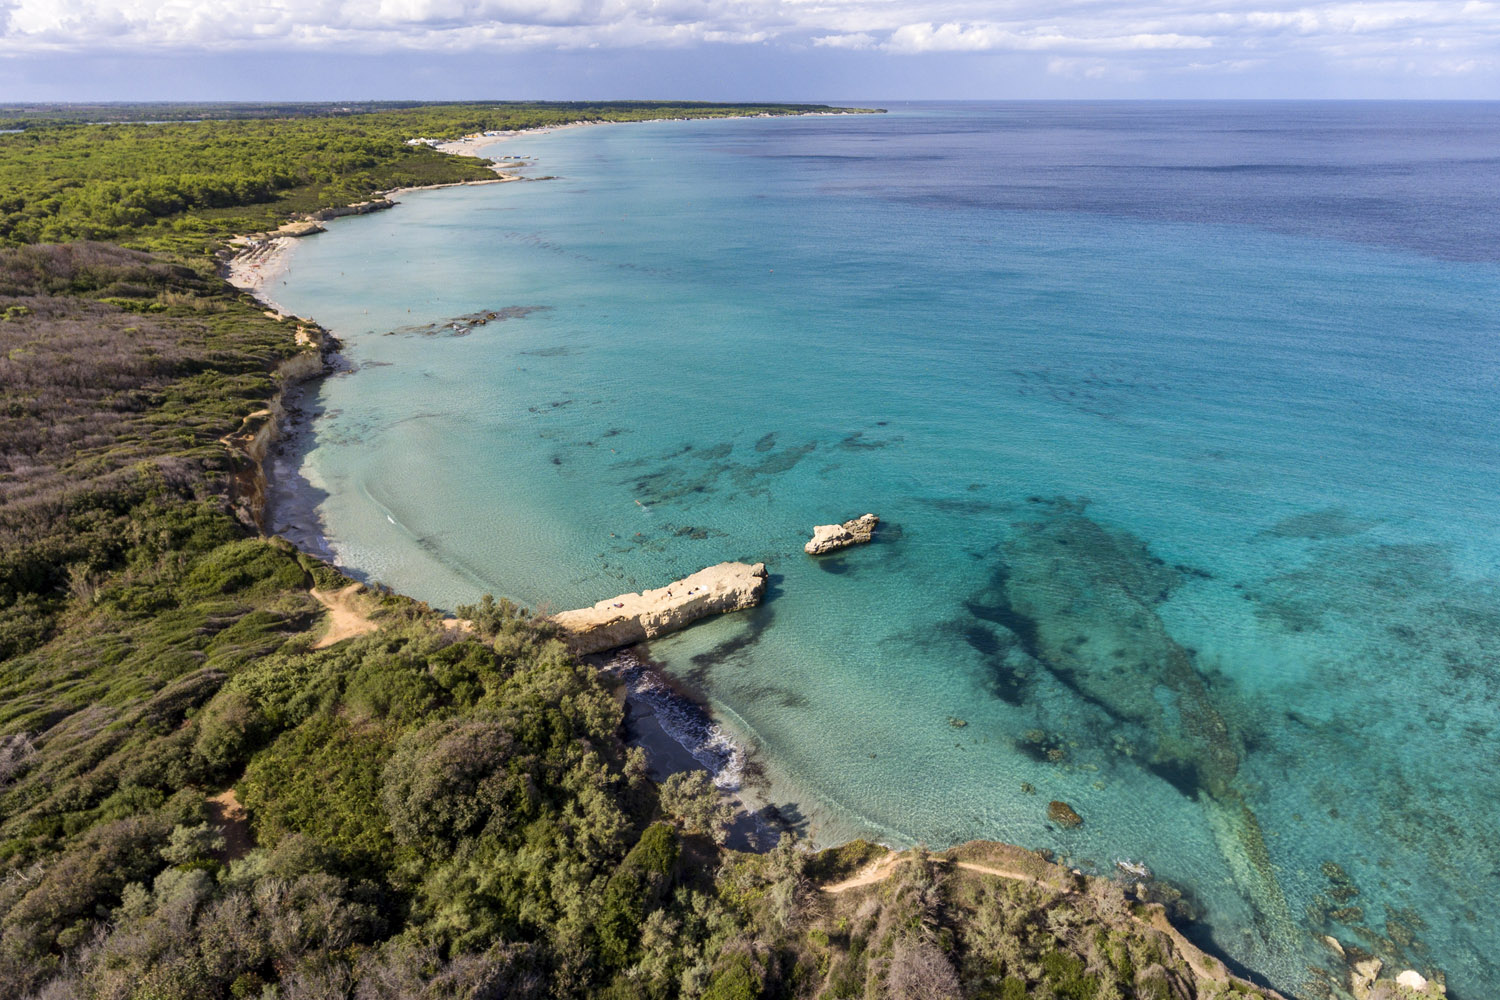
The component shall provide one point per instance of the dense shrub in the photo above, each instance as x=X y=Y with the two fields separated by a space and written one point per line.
x=452 y=778
x=637 y=887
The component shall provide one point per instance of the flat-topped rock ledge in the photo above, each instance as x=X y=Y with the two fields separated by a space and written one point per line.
x=832 y=537
x=632 y=618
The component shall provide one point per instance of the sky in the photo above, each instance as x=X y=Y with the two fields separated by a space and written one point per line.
x=825 y=50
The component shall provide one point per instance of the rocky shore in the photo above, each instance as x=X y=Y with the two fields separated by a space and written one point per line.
x=631 y=618
x=253 y=443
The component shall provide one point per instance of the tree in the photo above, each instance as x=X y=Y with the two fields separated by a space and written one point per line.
x=920 y=971
x=696 y=805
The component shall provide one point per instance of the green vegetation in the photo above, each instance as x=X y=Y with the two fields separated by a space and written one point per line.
x=185 y=186
x=428 y=813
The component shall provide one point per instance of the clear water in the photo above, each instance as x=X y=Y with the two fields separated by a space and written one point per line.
x=1180 y=420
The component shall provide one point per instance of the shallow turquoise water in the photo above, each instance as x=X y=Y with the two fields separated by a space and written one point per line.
x=1190 y=516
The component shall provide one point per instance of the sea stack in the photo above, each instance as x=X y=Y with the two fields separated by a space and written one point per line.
x=832 y=537
x=632 y=618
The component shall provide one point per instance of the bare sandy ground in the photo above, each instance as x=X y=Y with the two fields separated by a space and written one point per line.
x=346 y=619
x=225 y=812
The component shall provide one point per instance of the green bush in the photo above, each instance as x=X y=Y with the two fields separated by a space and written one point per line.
x=322 y=779
x=453 y=779
x=638 y=886
x=247 y=569
x=736 y=980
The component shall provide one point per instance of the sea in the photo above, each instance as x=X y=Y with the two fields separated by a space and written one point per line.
x=1180 y=419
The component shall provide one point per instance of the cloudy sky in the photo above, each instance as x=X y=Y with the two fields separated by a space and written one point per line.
x=769 y=49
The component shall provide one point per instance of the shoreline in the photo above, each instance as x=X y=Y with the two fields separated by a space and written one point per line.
x=676 y=729
x=262 y=257
x=470 y=145
x=679 y=734
x=258 y=266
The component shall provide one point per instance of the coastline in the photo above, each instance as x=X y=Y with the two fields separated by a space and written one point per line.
x=650 y=724
x=675 y=727
x=263 y=257
x=470 y=145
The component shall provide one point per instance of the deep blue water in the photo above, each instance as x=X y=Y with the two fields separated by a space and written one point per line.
x=1180 y=418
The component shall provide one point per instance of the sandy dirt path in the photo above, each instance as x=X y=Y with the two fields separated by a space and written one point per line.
x=883 y=868
x=876 y=871
x=345 y=618
x=225 y=812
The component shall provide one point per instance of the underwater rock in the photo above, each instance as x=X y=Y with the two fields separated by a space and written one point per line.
x=462 y=326
x=832 y=537
x=632 y=618
x=1409 y=985
x=1063 y=815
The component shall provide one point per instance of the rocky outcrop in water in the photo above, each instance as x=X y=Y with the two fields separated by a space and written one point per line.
x=462 y=326
x=832 y=537
x=1365 y=982
x=633 y=618
x=1063 y=814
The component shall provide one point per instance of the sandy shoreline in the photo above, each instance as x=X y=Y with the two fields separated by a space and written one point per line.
x=263 y=260
x=258 y=267
x=677 y=733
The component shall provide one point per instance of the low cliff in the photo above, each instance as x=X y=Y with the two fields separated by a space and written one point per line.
x=251 y=444
x=358 y=208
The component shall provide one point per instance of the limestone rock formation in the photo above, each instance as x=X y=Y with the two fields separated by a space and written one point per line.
x=358 y=208
x=1412 y=980
x=303 y=227
x=632 y=618
x=832 y=537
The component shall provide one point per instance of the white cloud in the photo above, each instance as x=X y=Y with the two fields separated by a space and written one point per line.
x=857 y=40
x=992 y=37
x=1090 y=39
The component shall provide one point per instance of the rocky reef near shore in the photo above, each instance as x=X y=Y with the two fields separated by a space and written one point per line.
x=832 y=537
x=632 y=618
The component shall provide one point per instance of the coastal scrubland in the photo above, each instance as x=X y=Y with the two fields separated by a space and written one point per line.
x=184 y=186
x=198 y=799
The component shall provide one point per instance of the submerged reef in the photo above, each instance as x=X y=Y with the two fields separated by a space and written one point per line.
x=1080 y=601
x=462 y=326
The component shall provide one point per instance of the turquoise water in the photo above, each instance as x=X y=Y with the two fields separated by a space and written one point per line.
x=1179 y=420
